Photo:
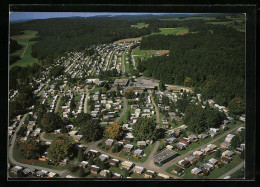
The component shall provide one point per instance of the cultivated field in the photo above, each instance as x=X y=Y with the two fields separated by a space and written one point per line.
x=25 y=52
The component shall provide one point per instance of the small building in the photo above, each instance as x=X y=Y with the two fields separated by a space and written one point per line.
x=225 y=145
x=228 y=153
x=226 y=160
x=196 y=171
x=93 y=153
x=138 y=170
x=162 y=176
x=148 y=174
x=94 y=169
x=185 y=141
x=180 y=146
x=165 y=125
x=83 y=164
x=104 y=172
x=28 y=171
x=229 y=138
x=170 y=147
x=213 y=161
x=109 y=142
x=164 y=156
x=116 y=176
x=171 y=140
x=103 y=157
x=138 y=153
x=128 y=147
x=42 y=173
x=16 y=169
x=191 y=159
x=52 y=175
x=193 y=138
x=77 y=138
x=141 y=143
x=114 y=162
x=127 y=165
x=129 y=136
x=207 y=167
x=197 y=154
x=212 y=134
x=64 y=161
x=203 y=136
x=184 y=163
x=177 y=170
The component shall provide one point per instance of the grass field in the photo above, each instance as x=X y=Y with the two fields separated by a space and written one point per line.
x=25 y=52
x=140 y=25
x=173 y=31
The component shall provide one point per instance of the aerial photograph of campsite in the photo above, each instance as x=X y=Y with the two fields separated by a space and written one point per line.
x=121 y=96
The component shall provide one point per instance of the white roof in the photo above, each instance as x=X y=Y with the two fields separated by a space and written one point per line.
x=51 y=174
x=127 y=163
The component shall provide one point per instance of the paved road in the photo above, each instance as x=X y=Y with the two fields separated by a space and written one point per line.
x=110 y=59
x=44 y=139
x=24 y=50
x=123 y=63
x=11 y=158
x=86 y=101
x=174 y=161
x=133 y=60
x=156 y=109
x=124 y=110
x=232 y=170
x=58 y=102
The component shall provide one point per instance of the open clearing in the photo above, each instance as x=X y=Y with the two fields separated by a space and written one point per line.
x=174 y=31
x=140 y=25
x=25 y=52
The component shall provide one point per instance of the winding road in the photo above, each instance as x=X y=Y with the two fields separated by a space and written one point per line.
x=11 y=156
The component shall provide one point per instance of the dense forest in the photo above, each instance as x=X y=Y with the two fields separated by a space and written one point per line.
x=212 y=59
x=57 y=35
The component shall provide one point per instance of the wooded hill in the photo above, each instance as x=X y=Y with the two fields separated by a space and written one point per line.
x=57 y=35
x=213 y=59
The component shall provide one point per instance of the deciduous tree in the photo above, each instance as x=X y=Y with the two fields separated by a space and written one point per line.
x=114 y=131
x=59 y=149
x=30 y=148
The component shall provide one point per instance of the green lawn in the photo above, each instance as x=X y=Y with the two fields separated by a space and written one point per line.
x=23 y=40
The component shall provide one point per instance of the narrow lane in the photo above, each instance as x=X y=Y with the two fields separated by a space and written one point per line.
x=232 y=170
x=124 y=110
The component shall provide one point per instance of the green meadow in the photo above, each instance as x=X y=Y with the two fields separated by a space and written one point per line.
x=25 y=52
